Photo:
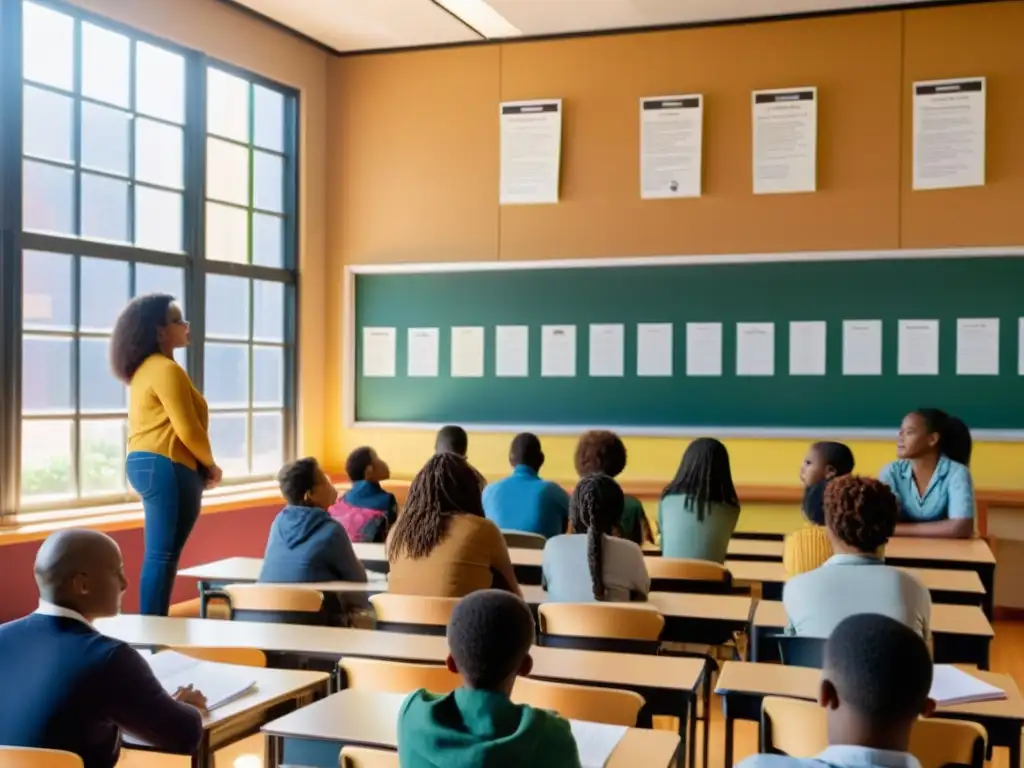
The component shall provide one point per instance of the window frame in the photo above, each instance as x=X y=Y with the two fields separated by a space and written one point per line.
x=14 y=241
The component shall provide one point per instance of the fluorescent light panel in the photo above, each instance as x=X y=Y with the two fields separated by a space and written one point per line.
x=481 y=17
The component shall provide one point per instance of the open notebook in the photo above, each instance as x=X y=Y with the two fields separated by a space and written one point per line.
x=596 y=741
x=219 y=683
x=954 y=686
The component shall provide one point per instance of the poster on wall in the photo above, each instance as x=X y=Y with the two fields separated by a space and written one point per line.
x=531 y=151
x=785 y=140
x=671 y=137
x=949 y=133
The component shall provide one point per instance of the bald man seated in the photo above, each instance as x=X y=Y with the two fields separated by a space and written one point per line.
x=66 y=686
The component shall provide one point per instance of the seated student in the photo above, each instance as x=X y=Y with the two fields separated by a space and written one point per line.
x=590 y=563
x=442 y=545
x=71 y=688
x=366 y=511
x=931 y=476
x=699 y=508
x=860 y=515
x=476 y=725
x=603 y=453
x=809 y=547
x=525 y=502
x=875 y=684
x=453 y=439
x=306 y=544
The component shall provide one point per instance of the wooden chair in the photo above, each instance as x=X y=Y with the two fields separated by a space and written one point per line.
x=26 y=757
x=801 y=651
x=580 y=702
x=413 y=614
x=523 y=539
x=361 y=757
x=396 y=676
x=672 y=574
x=276 y=603
x=243 y=657
x=799 y=729
x=615 y=627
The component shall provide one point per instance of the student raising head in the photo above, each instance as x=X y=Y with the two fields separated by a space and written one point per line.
x=931 y=478
x=590 y=563
x=600 y=452
x=875 y=684
x=442 y=545
x=699 y=508
x=861 y=515
x=366 y=511
x=523 y=501
x=305 y=543
x=809 y=547
x=489 y=637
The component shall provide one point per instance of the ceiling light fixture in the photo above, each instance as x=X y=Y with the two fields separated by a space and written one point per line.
x=481 y=17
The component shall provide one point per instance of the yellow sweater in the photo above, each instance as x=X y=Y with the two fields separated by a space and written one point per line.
x=167 y=415
x=806 y=549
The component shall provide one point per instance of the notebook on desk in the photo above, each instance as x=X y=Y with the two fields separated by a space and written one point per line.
x=951 y=685
x=595 y=742
x=219 y=683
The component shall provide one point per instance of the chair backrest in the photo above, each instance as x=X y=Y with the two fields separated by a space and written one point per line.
x=412 y=613
x=801 y=651
x=800 y=729
x=361 y=757
x=580 y=702
x=397 y=676
x=676 y=574
x=26 y=757
x=243 y=657
x=278 y=603
x=616 y=627
x=523 y=539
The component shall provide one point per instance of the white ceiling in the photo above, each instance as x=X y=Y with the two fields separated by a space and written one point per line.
x=360 y=25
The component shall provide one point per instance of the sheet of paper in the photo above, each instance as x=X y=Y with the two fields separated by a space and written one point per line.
x=467 y=351
x=607 y=349
x=219 y=683
x=424 y=350
x=595 y=742
x=1020 y=346
x=862 y=348
x=703 y=349
x=807 y=348
x=512 y=351
x=949 y=133
x=977 y=346
x=785 y=140
x=379 y=353
x=951 y=685
x=918 y=348
x=654 y=349
x=671 y=129
x=755 y=349
x=558 y=351
x=531 y=150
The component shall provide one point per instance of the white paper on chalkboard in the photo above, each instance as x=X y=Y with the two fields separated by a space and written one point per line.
x=607 y=349
x=703 y=349
x=862 y=348
x=512 y=351
x=654 y=349
x=755 y=349
x=918 y=348
x=424 y=350
x=807 y=348
x=977 y=346
x=379 y=353
x=558 y=351
x=467 y=351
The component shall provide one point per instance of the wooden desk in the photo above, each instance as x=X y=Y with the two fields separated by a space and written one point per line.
x=314 y=735
x=277 y=691
x=960 y=633
x=744 y=685
x=946 y=586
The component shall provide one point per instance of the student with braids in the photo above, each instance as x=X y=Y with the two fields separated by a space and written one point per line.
x=860 y=514
x=591 y=563
x=931 y=478
x=442 y=545
x=699 y=508
x=602 y=452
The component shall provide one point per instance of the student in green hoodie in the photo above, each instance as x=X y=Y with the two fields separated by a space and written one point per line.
x=477 y=725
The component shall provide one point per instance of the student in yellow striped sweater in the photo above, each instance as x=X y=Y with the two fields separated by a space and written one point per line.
x=809 y=547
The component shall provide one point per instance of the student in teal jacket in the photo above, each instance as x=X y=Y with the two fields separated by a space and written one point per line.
x=477 y=725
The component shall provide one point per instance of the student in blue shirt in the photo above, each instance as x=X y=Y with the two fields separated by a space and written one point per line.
x=931 y=478
x=875 y=684
x=525 y=502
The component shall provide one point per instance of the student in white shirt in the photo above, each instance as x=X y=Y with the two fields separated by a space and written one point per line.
x=875 y=684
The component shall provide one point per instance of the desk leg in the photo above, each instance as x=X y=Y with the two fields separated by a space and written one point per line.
x=203 y=599
x=684 y=715
x=203 y=757
x=692 y=757
x=729 y=730
x=1015 y=752
x=273 y=749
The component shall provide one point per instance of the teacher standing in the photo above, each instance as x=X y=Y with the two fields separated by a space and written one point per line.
x=170 y=460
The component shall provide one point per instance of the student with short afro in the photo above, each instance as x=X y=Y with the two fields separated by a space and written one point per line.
x=600 y=452
x=524 y=501
x=477 y=725
x=453 y=439
x=366 y=510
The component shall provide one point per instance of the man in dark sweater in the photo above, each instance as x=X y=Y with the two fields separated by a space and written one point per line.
x=72 y=688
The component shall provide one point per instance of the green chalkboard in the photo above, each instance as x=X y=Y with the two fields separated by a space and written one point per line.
x=781 y=291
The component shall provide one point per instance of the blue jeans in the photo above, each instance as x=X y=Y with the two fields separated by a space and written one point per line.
x=171 y=497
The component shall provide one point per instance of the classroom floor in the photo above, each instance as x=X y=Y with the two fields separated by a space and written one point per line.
x=1006 y=658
